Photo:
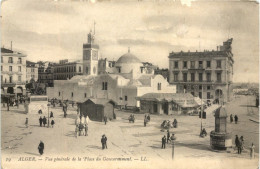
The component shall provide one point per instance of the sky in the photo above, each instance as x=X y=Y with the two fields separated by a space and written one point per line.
x=51 y=30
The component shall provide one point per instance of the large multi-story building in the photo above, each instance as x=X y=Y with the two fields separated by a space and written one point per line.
x=31 y=71
x=45 y=74
x=205 y=74
x=66 y=70
x=13 y=72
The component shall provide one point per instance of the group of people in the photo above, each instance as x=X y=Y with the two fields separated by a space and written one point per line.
x=81 y=126
x=147 y=119
x=239 y=144
x=168 y=139
x=43 y=121
x=232 y=119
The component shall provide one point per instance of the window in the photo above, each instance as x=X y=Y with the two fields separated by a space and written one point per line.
x=175 y=77
x=59 y=93
x=208 y=95
x=19 y=68
x=125 y=98
x=119 y=69
x=200 y=64
x=86 y=70
x=19 y=60
x=218 y=63
x=176 y=64
x=32 y=69
x=11 y=79
x=208 y=64
x=10 y=68
x=200 y=95
x=141 y=69
x=192 y=75
x=184 y=89
x=208 y=77
x=208 y=87
x=185 y=77
x=10 y=60
x=192 y=64
x=104 y=85
x=19 y=78
x=200 y=77
x=71 y=94
x=85 y=95
x=74 y=68
x=219 y=77
x=159 y=86
x=200 y=87
x=80 y=69
x=2 y=59
x=185 y=64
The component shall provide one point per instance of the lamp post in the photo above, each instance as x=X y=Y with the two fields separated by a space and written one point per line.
x=48 y=115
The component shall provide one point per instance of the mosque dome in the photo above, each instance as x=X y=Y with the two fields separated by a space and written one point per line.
x=128 y=58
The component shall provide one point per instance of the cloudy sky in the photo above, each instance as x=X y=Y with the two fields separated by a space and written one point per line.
x=53 y=30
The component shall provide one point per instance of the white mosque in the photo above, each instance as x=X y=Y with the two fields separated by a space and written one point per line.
x=123 y=83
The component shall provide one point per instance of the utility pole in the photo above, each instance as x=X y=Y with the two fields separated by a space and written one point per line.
x=201 y=114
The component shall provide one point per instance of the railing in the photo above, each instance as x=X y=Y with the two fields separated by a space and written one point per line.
x=19 y=62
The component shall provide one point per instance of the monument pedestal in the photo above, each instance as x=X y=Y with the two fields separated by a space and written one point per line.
x=220 y=141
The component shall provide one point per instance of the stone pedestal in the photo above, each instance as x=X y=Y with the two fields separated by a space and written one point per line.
x=220 y=139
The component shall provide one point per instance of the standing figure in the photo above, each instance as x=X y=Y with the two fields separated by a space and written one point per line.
x=103 y=142
x=231 y=118
x=26 y=122
x=87 y=120
x=236 y=119
x=252 y=151
x=40 y=120
x=148 y=118
x=168 y=136
x=105 y=119
x=40 y=111
x=51 y=115
x=175 y=123
x=242 y=142
x=41 y=147
x=44 y=120
x=86 y=129
x=77 y=131
x=163 y=142
x=52 y=123
x=145 y=121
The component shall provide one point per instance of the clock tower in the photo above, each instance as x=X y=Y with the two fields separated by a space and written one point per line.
x=90 y=56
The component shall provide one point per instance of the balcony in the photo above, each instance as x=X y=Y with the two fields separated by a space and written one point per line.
x=10 y=61
x=19 y=62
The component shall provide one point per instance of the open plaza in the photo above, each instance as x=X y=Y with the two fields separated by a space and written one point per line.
x=128 y=141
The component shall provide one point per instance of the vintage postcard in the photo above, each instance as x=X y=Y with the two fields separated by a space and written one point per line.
x=129 y=84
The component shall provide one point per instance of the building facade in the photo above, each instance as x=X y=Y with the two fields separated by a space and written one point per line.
x=205 y=74
x=13 y=72
x=66 y=70
x=31 y=71
x=45 y=74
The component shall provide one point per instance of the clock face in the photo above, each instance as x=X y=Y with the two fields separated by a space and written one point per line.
x=86 y=55
x=95 y=55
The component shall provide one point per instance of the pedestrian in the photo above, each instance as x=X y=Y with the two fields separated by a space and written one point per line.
x=86 y=129
x=40 y=111
x=76 y=131
x=252 y=151
x=242 y=142
x=148 y=118
x=52 y=123
x=236 y=119
x=103 y=141
x=231 y=118
x=87 y=120
x=168 y=136
x=44 y=121
x=51 y=115
x=237 y=142
x=105 y=119
x=163 y=142
x=26 y=122
x=173 y=138
x=40 y=120
x=41 y=147
x=175 y=123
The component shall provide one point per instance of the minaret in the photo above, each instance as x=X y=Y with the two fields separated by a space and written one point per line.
x=90 y=55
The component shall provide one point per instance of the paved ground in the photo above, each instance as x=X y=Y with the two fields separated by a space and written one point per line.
x=128 y=139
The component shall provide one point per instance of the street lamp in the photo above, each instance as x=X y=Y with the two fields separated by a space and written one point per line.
x=48 y=115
